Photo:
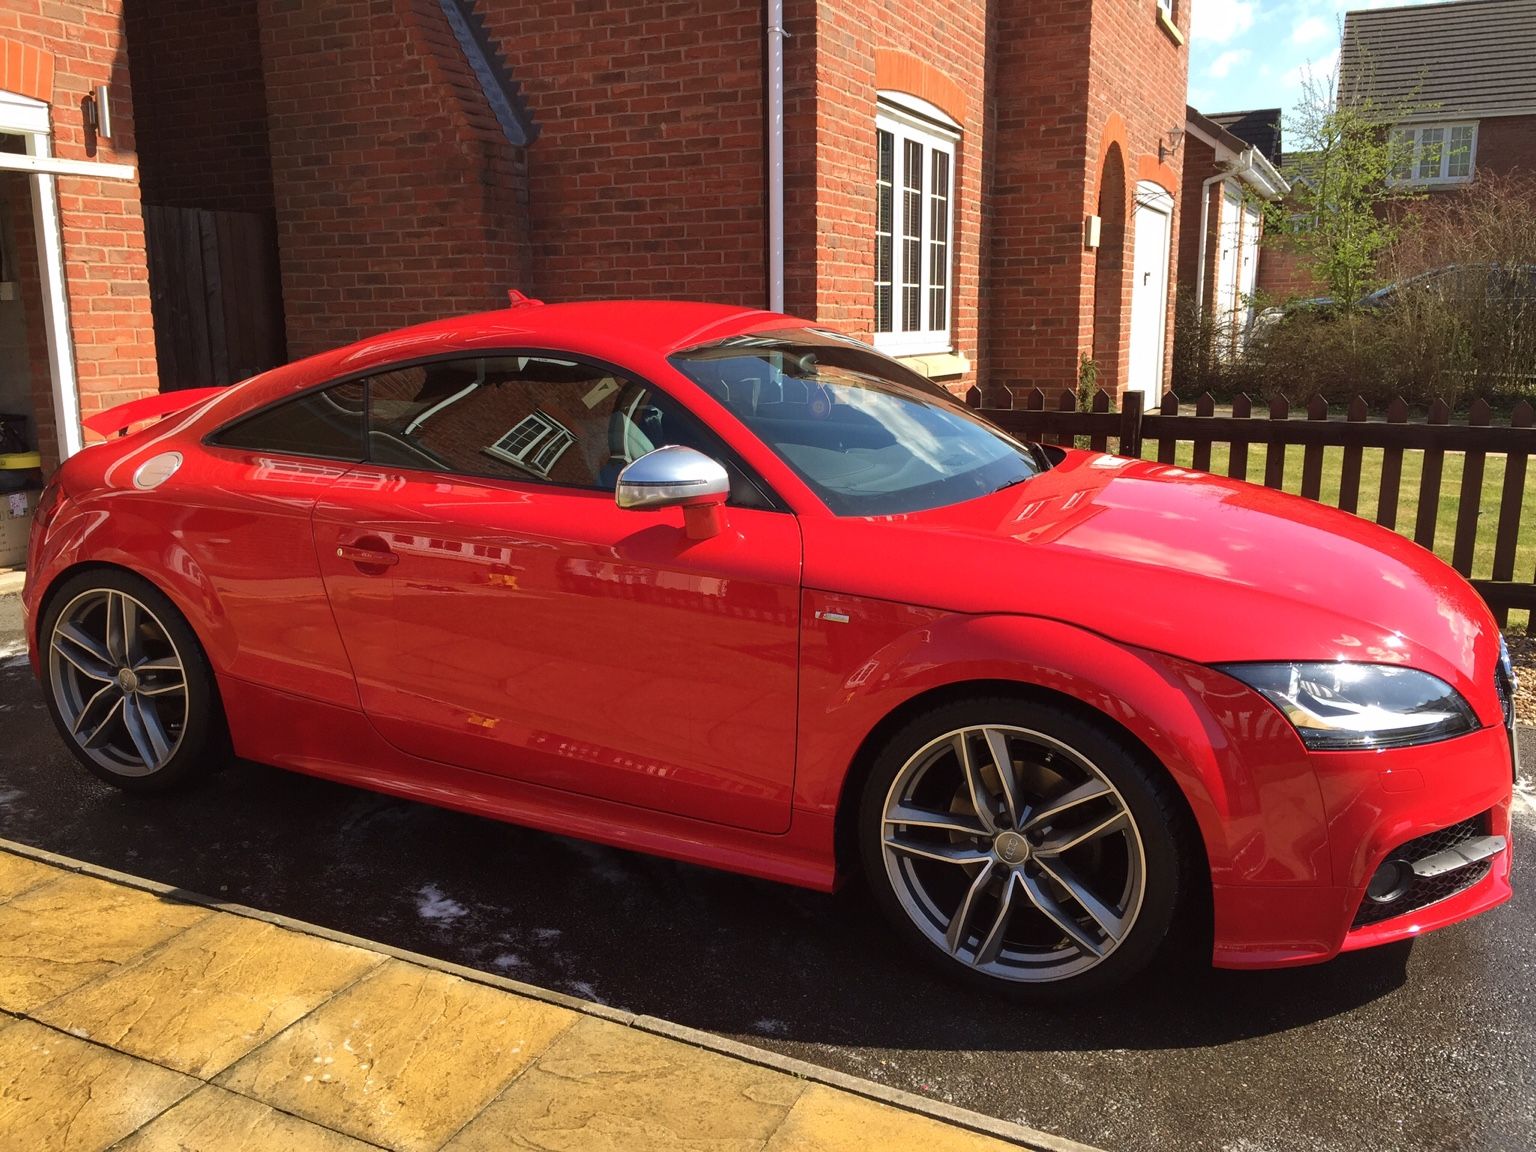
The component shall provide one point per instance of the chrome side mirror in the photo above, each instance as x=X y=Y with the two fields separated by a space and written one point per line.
x=672 y=477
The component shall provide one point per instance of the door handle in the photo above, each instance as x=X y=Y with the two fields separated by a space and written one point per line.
x=369 y=557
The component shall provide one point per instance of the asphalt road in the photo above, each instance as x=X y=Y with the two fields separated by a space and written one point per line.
x=1430 y=1046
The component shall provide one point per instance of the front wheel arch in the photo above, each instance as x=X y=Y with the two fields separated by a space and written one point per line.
x=846 y=832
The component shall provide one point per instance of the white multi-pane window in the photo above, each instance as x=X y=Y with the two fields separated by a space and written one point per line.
x=914 y=226
x=535 y=442
x=1434 y=153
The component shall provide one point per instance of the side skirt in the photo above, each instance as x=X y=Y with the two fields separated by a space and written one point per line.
x=304 y=735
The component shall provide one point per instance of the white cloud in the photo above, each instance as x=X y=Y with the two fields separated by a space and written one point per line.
x=1228 y=60
x=1311 y=29
x=1221 y=21
x=1312 y=70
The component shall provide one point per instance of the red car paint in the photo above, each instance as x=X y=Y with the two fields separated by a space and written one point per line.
x=536 y=654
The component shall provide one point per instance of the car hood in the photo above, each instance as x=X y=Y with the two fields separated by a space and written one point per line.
x=1189 y=564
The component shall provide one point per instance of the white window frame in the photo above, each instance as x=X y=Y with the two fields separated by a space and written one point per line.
x=543 y=450
x=1447 y=127
x=22 y=116
x=907 y=118
x=1167 y=7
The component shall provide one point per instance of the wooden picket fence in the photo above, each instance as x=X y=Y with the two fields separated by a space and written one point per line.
x=1131 y=431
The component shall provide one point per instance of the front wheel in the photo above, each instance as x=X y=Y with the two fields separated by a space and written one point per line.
x=128 y=685
x=1022 y=847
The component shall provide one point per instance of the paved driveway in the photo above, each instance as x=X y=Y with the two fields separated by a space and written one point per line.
x=1429 y=1046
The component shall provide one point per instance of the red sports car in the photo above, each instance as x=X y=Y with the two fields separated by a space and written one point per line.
x=725 y=586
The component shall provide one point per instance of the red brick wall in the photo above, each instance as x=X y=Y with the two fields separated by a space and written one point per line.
x=648 y=177
x=1138 y=77
x=1284 y=273
x=398 y=199
x=1507 y=144
x=200 y=103
x=1038 y=264
x=1199 y=166
x=835 y=62
x=106 y=278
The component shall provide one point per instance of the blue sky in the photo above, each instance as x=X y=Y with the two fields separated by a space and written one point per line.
x=1256 y=53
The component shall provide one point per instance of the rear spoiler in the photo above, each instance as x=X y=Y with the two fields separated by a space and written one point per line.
x=120 y=420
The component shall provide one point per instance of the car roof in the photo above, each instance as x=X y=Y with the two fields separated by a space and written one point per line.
x=655 y=326
x=612 y=330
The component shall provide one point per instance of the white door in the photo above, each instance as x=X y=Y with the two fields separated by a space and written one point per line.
x=1248 y=276
x=1230 y=234
x=1149 y=292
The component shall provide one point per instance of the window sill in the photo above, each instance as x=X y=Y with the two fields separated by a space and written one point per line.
x=1168 y=26
x=939 y=365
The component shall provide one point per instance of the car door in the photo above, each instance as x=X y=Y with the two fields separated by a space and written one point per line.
x=501 y=613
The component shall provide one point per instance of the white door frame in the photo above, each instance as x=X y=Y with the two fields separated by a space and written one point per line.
x=1153 y=198
x=28 y=118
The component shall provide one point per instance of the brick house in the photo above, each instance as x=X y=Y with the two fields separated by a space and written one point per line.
x=989 y=189
x=1230 y=172
x=1469 y=66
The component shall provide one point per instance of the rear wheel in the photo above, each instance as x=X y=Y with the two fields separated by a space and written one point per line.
x=128 y=685
x=1022 y=847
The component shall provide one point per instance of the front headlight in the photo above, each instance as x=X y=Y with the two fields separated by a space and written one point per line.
x=1340 y=706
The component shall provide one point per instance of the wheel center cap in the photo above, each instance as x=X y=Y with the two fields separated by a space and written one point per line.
x=1011 y=848
x=128 y=680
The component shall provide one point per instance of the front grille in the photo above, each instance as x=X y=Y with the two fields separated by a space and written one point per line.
x=1426 y=890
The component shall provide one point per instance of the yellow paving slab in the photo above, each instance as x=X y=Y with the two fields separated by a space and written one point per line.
x=211 y=995
x=55 y=938
x=18 y=874
x=604 y=1087
x=213 y=1120
x=825 y=1120
x=404 y=1058
x=60 y=1094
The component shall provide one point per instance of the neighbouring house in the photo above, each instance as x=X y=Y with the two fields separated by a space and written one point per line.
x=1470 y=65
x=1465 y=70
x=194 y=192
x=1230 y=173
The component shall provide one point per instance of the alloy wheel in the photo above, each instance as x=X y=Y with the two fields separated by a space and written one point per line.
x=1013 y=853
x=118 y=682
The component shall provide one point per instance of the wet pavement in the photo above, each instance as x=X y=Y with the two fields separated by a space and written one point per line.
x=1428 y=1046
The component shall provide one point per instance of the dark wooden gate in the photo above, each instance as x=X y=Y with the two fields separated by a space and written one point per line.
x=217 y=296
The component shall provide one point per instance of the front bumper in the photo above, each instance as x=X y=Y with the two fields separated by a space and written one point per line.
x=1374 y=804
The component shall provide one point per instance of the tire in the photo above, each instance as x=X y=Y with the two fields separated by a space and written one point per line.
x=1019 y=900
x=128 y=685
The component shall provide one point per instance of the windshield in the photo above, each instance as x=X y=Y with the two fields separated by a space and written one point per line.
x=870 y=437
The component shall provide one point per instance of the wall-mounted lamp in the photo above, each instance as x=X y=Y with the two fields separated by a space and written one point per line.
x=1165 y=152
x=1092 y=229
x=98 y=112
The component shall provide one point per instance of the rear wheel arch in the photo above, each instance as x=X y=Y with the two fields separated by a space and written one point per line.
x=191 y=596
x=158 y=656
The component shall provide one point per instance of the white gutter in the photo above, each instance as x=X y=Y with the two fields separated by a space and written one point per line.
x=774 y=34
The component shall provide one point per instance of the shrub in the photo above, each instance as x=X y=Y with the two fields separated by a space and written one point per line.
x=1461 y=321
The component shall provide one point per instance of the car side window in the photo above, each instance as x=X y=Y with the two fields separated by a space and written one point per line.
x=328 y=422
x=542 y=419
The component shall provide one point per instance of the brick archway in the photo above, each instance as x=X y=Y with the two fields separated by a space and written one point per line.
x=26 y=71
x=1109 y=287
x=897 y=71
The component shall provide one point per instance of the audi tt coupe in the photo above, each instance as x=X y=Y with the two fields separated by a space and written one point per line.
x=726 y=586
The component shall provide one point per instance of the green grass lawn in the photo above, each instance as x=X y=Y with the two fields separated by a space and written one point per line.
x=1408 y=498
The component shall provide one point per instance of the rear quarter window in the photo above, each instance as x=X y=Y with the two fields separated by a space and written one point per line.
x=329 y=423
